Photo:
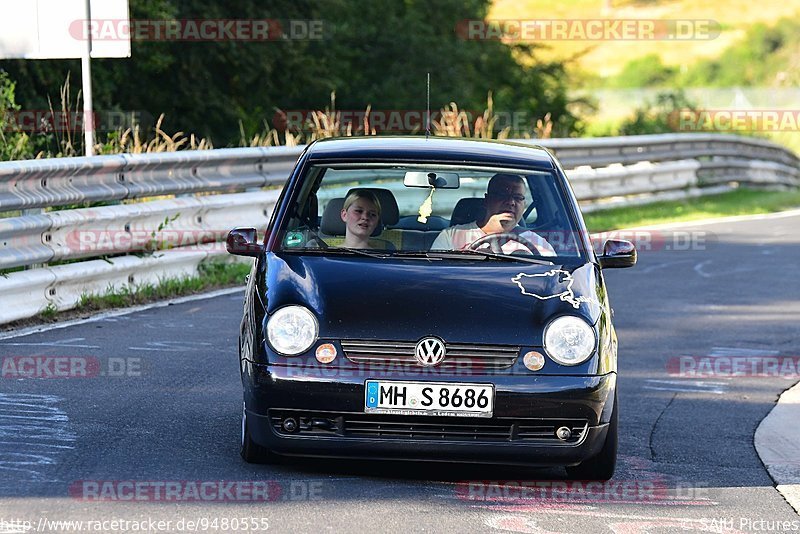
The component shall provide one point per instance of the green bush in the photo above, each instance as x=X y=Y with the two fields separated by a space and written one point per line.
x=657 y=117
x=647 y=71
x=14 y=144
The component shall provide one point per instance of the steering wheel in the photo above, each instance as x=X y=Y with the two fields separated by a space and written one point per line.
x=496 y=241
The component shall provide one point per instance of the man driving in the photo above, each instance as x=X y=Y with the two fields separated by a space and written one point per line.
x=505 y=204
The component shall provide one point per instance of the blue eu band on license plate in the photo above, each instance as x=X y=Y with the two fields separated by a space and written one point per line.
x=429 y=398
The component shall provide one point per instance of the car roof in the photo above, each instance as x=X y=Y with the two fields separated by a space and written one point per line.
x=439 y=149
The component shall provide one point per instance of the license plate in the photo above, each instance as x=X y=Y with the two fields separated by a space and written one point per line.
x=429 y=398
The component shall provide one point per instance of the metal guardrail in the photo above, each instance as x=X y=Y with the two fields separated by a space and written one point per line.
x=142 y=227
x=192 y=226
x=67 y=181
x=602 y=151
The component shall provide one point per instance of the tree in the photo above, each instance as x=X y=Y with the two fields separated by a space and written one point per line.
x=373 y=53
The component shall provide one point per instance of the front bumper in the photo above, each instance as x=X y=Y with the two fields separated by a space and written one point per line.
x=527 y=410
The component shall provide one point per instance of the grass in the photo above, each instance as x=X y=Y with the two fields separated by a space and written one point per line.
x=739 y=202
x=49 y=312
x=212 y=275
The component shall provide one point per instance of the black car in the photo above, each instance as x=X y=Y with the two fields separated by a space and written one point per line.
x=429 y=299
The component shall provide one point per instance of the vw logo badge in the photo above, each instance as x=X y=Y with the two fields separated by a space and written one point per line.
x=430 y=351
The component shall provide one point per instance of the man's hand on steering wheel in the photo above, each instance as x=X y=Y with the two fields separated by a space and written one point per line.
x=497 y=240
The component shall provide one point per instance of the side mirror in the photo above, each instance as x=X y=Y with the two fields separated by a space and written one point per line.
x=618 y=253
x=244 y=242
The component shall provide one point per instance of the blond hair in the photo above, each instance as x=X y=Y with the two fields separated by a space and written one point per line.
x=355 y=194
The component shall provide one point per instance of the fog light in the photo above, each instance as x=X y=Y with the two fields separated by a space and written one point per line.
x=290 y=424
x=563 y=433
x=533 y=360
x=326 y=353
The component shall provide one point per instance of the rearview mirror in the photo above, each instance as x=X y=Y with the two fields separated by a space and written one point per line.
x=618 y=253
x=244 y=242
x=439 y=180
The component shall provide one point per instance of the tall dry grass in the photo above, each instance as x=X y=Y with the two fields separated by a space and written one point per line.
x=452 y=122
x=320 y=124
x=457 y=123
x=131 y=141
x=69 y=141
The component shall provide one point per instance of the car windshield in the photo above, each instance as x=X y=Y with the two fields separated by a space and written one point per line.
x=431 y=210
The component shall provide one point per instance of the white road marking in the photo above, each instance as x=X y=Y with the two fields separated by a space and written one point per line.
x=686 y=386
x=658 y=266
x=685 y=390
x=701 y=383
x=171 y=346
x=168 y=324
x=27 y=423
x=699 y=269
x=44 y=445
x=29 y=418
x=72 y=342
x=735 y=351
x=35 y=408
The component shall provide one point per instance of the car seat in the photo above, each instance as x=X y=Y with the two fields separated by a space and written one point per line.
x=467 y=210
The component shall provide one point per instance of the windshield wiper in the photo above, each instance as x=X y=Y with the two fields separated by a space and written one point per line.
x=329 y=250
x=363 y=252
x=413 y=254
x=507 y=257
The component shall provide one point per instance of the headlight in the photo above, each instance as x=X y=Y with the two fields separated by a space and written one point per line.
x=569 y=340
x=292 y=330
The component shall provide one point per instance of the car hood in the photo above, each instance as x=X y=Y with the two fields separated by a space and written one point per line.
x=481 y=301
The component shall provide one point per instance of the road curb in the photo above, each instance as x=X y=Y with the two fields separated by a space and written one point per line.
x=120 y=311
x=777 y=442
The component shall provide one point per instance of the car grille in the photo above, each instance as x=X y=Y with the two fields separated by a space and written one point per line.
x=457 y=355
x=354 y=425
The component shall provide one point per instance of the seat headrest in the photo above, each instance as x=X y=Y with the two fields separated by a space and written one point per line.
x=390 y=213
x=467 y=210
x=332 y=223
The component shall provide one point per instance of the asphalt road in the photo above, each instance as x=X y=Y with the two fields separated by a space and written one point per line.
x=162 y=404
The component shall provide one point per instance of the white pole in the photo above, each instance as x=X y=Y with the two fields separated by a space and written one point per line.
x=86 y=75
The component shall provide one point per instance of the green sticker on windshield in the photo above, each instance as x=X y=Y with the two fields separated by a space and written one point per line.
x=294 y=239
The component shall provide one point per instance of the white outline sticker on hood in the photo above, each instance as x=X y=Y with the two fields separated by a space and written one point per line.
x=563 y=277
